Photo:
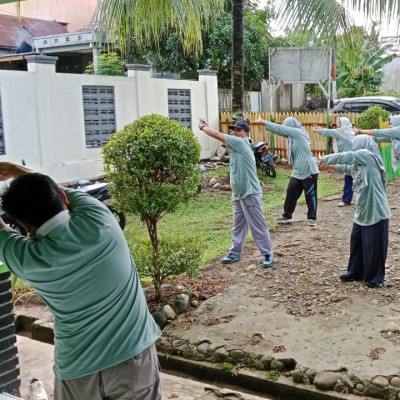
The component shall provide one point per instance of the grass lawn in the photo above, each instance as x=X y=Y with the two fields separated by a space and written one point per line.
x=208 y=216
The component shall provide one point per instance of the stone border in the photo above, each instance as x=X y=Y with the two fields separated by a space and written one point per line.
x=340 y=381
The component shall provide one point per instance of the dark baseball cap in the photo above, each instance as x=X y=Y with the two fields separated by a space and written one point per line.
x=240 y=125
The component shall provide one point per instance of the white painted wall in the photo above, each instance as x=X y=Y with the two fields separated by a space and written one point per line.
x=44 y=123
x=391 y=78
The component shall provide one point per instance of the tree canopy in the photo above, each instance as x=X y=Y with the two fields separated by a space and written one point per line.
x=329 y=18
x=217 y=54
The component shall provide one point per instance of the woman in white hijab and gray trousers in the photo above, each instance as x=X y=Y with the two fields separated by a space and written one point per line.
x=370 y=233
x=305 y=172
x=343 y=136
x=390 y=135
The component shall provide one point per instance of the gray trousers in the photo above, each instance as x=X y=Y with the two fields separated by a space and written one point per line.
x=247 y=213
x=135 y=379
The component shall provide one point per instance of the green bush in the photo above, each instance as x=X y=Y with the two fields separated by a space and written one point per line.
x=369 y=119
x=175 y=257
x=107 y=64
x=153 y=166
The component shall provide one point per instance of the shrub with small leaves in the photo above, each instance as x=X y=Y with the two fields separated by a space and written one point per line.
x=369 y=119
x=107 y=64
x=175 y=256
x=153 y=166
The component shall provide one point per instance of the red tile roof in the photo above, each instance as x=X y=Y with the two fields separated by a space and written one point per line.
x=13 y=31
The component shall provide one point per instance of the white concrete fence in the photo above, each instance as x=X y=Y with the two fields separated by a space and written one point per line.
x=43 y=116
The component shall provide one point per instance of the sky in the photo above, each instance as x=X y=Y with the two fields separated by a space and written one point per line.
x=360 y=20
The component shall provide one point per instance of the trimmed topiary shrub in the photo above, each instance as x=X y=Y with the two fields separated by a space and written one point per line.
x=153 y=166
x=369 y=119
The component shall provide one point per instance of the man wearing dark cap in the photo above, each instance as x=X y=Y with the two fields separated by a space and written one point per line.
x=246 y=193
x=79 y=262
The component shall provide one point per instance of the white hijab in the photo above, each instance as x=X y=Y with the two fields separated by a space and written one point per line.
x=346 y=130
x=360 y=179
x=293 y=123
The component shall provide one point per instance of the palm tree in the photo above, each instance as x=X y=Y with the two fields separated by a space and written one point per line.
x=237 y=58
x=329 y=18
x=148 y=20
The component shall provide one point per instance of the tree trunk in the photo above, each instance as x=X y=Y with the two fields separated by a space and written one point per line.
x=237 y=59
x=156 y=274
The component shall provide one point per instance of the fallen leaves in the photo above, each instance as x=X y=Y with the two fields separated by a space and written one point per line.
x=219 y=320
x=279 y=349
x=376 y=353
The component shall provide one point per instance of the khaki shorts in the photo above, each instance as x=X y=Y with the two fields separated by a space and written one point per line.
x=135 y=379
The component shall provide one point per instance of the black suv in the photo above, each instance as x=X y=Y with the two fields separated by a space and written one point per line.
x=360 y=104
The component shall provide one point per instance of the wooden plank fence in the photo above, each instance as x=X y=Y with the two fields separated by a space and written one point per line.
x=278 y=144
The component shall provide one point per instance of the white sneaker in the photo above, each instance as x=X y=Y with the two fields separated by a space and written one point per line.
x=341 y=204
x=37 y=390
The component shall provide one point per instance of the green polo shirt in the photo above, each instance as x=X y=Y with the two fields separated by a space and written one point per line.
x=244 y=178
x=81 y=266
x=371 y=201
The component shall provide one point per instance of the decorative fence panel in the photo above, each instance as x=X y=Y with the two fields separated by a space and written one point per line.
x=278 y=144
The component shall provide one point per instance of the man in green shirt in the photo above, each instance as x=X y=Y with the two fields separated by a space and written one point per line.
x=78 y=261
x=246 y=193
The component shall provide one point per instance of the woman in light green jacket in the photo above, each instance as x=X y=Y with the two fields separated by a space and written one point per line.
x=304 y=177
x=369 y=236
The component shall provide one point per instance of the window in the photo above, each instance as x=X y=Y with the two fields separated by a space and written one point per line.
x=179 y=107
x=99 y=114
x=356 y=106
x=386 y=106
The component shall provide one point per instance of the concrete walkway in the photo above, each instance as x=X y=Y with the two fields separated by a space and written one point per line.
x=36 y=361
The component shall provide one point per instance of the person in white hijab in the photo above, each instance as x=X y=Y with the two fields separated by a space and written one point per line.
x=343 y=141
x=370 y=234
x=304 y=177
x=389 y=135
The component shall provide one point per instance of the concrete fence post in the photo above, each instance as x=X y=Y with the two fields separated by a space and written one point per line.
x=44 y=68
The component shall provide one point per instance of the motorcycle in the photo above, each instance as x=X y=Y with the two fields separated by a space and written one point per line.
x=99 y=190
x=265 y=160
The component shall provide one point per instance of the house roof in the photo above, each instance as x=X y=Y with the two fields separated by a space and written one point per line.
x=14 y=31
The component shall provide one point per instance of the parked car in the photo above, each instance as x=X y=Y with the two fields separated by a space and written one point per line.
x=360 y=104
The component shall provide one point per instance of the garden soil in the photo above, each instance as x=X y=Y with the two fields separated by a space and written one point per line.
x=299 y=308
